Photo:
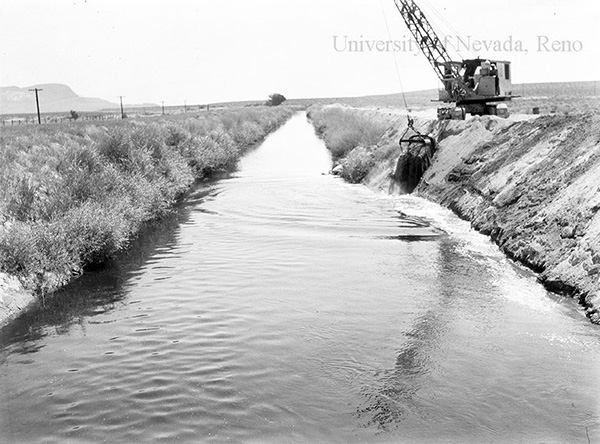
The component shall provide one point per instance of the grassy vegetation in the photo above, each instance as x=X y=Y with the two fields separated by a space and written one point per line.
x=72 y=195
x=357 y=138
x=343 y=129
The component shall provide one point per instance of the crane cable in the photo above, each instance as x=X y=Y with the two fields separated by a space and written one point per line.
x=409 y=118
x=451 y=28
x=395 y=59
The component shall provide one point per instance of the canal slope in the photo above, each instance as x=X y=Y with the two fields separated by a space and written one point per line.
x=531 y=184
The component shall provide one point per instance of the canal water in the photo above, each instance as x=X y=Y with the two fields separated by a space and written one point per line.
x=282 y=305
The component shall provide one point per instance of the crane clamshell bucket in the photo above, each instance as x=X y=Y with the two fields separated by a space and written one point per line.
x=418 y=140
x=415 y=158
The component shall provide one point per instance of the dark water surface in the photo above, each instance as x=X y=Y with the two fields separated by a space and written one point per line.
x=283 y=305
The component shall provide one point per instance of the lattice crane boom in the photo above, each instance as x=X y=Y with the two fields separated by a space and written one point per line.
x=429 y=42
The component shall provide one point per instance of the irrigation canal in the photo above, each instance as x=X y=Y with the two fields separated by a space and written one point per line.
x=284 y=305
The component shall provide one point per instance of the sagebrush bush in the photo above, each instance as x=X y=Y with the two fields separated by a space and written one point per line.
x=72 y=195
x=35 y=250
x=357 y=165
x=97 y=230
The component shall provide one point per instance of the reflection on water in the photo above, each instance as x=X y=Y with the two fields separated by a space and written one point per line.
x=284 y=305
x=96 y=293
x=395 y=398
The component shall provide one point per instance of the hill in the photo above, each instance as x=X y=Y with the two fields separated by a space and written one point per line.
x=54 y=97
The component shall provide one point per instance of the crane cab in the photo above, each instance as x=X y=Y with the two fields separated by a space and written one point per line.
x=488 y=78
x=474 y=85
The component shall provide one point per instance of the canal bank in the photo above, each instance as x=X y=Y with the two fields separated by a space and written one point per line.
x=73 y=195
x=530 y=184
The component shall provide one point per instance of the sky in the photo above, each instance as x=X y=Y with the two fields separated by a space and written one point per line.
x=206 y=51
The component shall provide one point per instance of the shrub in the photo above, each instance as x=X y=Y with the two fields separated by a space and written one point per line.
x=97 y=230
x=357 y=165
x=275 y=99
x=345 y=129
x=35 y=250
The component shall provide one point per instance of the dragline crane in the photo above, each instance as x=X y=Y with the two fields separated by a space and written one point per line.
x=474 y=86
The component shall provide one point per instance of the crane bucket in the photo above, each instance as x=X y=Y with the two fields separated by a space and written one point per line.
x=415 y=158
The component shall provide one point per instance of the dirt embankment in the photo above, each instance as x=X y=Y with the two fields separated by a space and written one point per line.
x=534 y=187
x=532 y=184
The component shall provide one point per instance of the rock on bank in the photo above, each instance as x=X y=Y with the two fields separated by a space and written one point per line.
x=14 y=298
x=534 y=187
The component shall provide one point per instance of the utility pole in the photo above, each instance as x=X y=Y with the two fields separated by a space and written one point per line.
x=184 y=106
x=37 y=103
x=122 y=113
x=163 y=107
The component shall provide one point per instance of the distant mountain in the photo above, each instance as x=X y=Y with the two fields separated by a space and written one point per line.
x=54 y=97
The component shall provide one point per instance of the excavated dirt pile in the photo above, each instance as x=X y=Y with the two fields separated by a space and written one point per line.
x=534 y=187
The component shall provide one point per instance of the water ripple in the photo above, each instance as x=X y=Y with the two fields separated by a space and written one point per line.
x=287 y=306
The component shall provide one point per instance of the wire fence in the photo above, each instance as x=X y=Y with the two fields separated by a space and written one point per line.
x=33 y=120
